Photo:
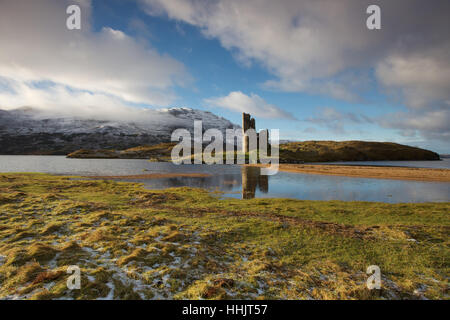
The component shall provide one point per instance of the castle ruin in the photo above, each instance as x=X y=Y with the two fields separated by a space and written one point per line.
x=249 y=123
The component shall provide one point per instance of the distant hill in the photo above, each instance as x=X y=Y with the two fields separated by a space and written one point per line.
x=292 y=152
x=328 y=151
x=158 y=152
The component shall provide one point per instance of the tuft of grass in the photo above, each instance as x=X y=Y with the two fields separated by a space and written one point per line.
x=52 y=228
x=137 y=255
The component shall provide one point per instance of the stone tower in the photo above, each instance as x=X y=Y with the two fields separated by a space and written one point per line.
x=249 y=123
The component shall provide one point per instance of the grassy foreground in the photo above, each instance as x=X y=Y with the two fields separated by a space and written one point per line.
x=132 y=243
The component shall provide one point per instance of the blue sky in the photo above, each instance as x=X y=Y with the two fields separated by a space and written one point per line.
x=217 y=72
x=312 y=70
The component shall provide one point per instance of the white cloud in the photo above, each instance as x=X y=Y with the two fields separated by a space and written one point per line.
x=422 y=80
x=316 y=46
x=61 y=101
x=303 y=43
x=337 y=121
x=431 y=125
x=253 y=104
x=107 y=66
x=57 y=99
x=324 y=47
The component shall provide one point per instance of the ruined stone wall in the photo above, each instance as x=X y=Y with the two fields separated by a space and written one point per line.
x=249 y=123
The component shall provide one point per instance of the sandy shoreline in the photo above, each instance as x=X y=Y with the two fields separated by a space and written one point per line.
x=154 y=176
x=396 y=173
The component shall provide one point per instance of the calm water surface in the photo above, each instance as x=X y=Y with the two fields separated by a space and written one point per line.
x=245 y=182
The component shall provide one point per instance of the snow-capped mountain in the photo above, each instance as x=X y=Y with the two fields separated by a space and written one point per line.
x=31 y=131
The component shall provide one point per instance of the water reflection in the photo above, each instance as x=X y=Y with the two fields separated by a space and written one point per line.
x=247 y=180
x=240 y=182
x=252 y=179
x=248 y=183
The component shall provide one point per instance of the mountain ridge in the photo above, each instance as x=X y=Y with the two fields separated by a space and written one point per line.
x=31 y=131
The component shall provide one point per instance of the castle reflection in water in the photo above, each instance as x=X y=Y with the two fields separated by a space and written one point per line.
x=252 y=179
x=232 y=179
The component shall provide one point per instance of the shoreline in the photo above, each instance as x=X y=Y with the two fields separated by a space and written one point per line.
x=352 y=171
x=375 y=172
x=153 y=176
